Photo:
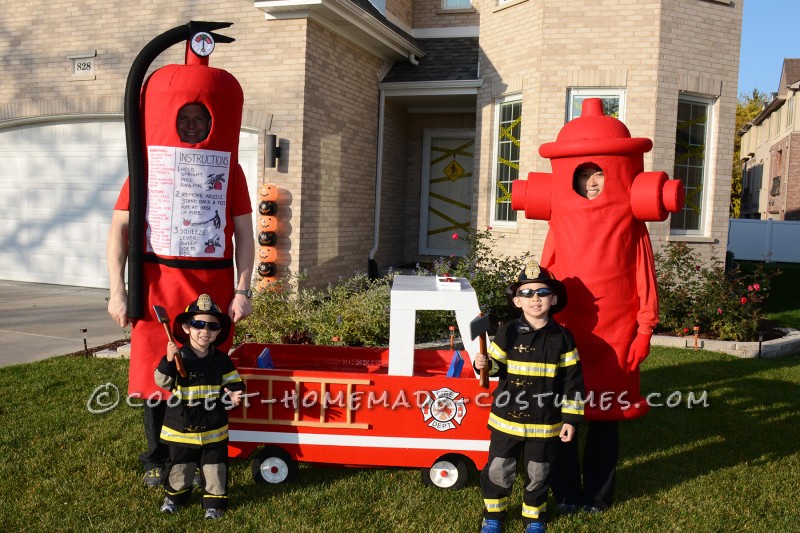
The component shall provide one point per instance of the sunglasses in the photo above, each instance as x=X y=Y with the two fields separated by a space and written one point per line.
x=201 y=324
x=540 y=292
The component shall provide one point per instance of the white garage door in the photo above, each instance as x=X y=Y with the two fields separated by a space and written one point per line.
x=58 y=185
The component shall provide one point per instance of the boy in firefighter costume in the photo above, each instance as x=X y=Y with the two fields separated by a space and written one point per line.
x=196 y=423
x=537 y=400
x=197 y=203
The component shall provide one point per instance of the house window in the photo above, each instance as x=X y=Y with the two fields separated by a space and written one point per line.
x=613 y=101
x=775 y=189
x=456 y=4
x=508 y=120
x=790 y=112
x=691 y=164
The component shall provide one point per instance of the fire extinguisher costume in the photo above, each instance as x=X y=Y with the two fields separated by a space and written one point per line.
x=599 y=246
x=194 y=192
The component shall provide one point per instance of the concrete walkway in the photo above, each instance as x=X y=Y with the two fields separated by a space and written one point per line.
x=38 y=321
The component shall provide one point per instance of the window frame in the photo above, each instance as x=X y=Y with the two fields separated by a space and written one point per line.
x=705 y=202
x=595 y=92
x=496 y=150
x=446 y=7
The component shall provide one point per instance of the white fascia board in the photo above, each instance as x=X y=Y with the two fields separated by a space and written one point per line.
x=428 y=88
x=446 y=33
x=346 y=19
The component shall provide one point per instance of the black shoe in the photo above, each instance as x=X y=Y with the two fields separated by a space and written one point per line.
x=214 y=514
x=154 y=477
x=168 y=507
x=568 y=508
x=593 y=509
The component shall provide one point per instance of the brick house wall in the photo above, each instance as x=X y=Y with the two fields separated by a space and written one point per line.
x=339 y=156
x=632 y=44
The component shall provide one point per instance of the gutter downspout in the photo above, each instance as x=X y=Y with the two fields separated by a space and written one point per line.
x=372 y=265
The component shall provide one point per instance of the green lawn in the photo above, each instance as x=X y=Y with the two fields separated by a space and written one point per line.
x=733 y=465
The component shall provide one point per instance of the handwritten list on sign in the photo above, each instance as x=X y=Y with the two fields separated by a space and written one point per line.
x=186 y=195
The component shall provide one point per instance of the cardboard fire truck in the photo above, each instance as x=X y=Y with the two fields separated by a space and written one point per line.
x=368 y=407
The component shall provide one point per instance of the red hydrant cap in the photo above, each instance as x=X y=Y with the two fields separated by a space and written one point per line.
x=594 y=133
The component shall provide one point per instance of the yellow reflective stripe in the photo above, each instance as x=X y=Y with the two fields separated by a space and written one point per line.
x=230 y=377
x=570 y=358
x=573 y=407
x=497 y=353
x=495 y=506
x=178 y=492
x=198 y=392
x=214 y=496
x=522 y=368
x=529 y=511
x=536 y=431
x=206 y=437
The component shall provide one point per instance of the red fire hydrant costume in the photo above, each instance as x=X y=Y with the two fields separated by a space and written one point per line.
x=600 y=249
x=194 y=191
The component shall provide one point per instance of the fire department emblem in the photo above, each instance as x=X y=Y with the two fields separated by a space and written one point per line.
x=443 y=409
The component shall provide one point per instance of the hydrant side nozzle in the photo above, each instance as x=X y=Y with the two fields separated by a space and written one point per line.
x=674 y=195
x=533 y=195
x=647 y=202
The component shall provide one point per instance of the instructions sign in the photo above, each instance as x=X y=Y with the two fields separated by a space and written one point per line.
x=187 y=191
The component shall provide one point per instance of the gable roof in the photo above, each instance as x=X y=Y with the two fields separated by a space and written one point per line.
x=789 y=75
x=452 y=59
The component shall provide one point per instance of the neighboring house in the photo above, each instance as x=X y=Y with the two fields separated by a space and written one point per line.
x=400 y=122
x=770 y=154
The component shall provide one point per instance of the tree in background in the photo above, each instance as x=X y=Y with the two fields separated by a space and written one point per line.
x=748 y=108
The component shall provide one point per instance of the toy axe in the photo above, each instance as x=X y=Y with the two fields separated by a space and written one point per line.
x=163 y=317
x=478 y=328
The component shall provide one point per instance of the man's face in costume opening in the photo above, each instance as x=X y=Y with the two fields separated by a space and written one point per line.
x=193 y=123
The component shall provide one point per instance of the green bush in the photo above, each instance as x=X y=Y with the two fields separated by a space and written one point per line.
x=724 y=304
x=355 y=310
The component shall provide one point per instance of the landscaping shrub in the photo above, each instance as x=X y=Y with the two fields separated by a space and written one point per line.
x=355 y=311
x=724 y=304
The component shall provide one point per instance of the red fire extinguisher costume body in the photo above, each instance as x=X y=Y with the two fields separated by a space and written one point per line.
x=194 y=192
x=600 y=249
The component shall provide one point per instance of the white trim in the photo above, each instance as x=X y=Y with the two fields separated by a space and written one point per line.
x=709 y=166
x=596 y=92
x=446 y=33
x=357 y=441
x=421 y=88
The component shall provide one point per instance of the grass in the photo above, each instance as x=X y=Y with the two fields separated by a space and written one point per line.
x=732 y=465
x=782 y=305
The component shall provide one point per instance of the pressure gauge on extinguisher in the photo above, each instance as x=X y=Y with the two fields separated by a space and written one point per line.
x=202 y=44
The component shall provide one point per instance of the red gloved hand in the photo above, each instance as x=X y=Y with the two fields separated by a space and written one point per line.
x=640 y=349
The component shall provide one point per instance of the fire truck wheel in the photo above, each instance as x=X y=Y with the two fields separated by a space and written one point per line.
x=274 y=465
x=448 y=472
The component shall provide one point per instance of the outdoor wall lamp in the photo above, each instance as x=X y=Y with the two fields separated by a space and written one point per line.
x=273 y=151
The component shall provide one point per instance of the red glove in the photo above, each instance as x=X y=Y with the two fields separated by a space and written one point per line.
x=640 y=349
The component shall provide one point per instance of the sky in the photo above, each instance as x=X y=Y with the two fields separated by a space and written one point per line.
x=770 y=33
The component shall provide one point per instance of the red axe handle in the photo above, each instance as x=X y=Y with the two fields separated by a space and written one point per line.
x=163 y=317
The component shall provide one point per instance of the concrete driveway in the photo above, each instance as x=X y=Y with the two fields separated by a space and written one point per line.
x=38 y=321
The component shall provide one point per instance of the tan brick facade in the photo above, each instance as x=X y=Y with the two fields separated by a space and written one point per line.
x=317 y=89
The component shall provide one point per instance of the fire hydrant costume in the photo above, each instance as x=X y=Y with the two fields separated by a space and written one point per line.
x=540 y=387
x=196 y=422
x=194 y=192
x=601 y=250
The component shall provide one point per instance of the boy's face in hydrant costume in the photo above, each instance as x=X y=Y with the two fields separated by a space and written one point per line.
x=589 y=181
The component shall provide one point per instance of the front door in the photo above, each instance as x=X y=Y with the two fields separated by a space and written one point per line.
x=446 y=205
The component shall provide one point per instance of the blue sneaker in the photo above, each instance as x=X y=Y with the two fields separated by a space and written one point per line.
x=535 y=527
x=491 y=526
